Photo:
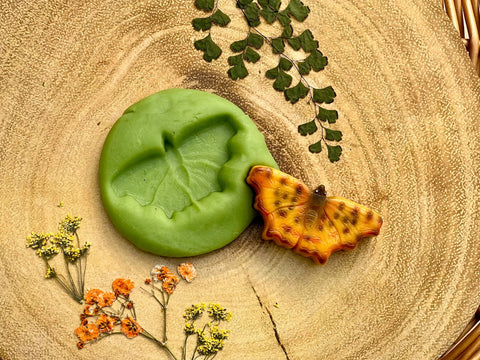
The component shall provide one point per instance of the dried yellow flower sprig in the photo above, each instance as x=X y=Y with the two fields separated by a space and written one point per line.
x=210 y=337
x=66 y=241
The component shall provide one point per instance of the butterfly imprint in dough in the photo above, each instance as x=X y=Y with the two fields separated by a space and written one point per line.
x=182 y=173
x=306 y=221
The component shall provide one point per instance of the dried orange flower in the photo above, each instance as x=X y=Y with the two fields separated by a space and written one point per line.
x=169 y=284
x=87 y=332
x=187 y=271
x=80 y=345
x=160 y=273
x=106 y=299
x=157 y=271
x=148 y=281
x=105 y=323
x=130 y=327
x=91 y=297
x=90 y=310
x=122 y=287
x=171 y=277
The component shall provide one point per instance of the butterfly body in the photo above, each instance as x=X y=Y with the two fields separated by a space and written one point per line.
x=306 y=221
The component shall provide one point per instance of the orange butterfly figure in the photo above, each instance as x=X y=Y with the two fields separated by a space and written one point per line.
x=308 y=222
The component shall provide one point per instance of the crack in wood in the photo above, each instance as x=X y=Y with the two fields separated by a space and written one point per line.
x=272 y=320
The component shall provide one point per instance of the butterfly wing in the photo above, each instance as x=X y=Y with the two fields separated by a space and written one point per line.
x=290 y=219
x=276 y=190
x=352 y=221
x=337 y=225
x=282 y=201
x=319 y=238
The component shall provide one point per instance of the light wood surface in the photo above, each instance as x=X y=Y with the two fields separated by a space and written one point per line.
x=408 y=103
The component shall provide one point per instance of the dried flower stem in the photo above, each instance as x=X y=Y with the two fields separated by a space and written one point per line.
x=163 y=304
x=196 y=345
x=70 y=289
x=184 y=349
x=165 y=324
x=70 y=278
x=160 y=343
x=81 y=269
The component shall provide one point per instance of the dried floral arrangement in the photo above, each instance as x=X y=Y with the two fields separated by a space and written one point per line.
x=107 y=313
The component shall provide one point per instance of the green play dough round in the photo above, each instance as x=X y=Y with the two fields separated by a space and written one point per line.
x=173 y=168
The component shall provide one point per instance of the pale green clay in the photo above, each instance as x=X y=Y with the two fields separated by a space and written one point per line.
x=173 y=169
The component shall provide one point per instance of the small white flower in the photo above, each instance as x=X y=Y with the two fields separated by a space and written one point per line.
x=156 y=270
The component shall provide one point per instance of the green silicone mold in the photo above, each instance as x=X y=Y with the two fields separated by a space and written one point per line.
x=173 y=168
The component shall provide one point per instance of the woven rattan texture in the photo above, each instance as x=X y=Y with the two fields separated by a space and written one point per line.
x=465 y=17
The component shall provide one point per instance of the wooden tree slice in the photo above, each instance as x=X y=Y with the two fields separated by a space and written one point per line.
x=408 y=104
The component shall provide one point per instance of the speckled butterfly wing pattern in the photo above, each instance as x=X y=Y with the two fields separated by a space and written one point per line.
x=281 y=202
x=308 y=222
x=352 y=221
